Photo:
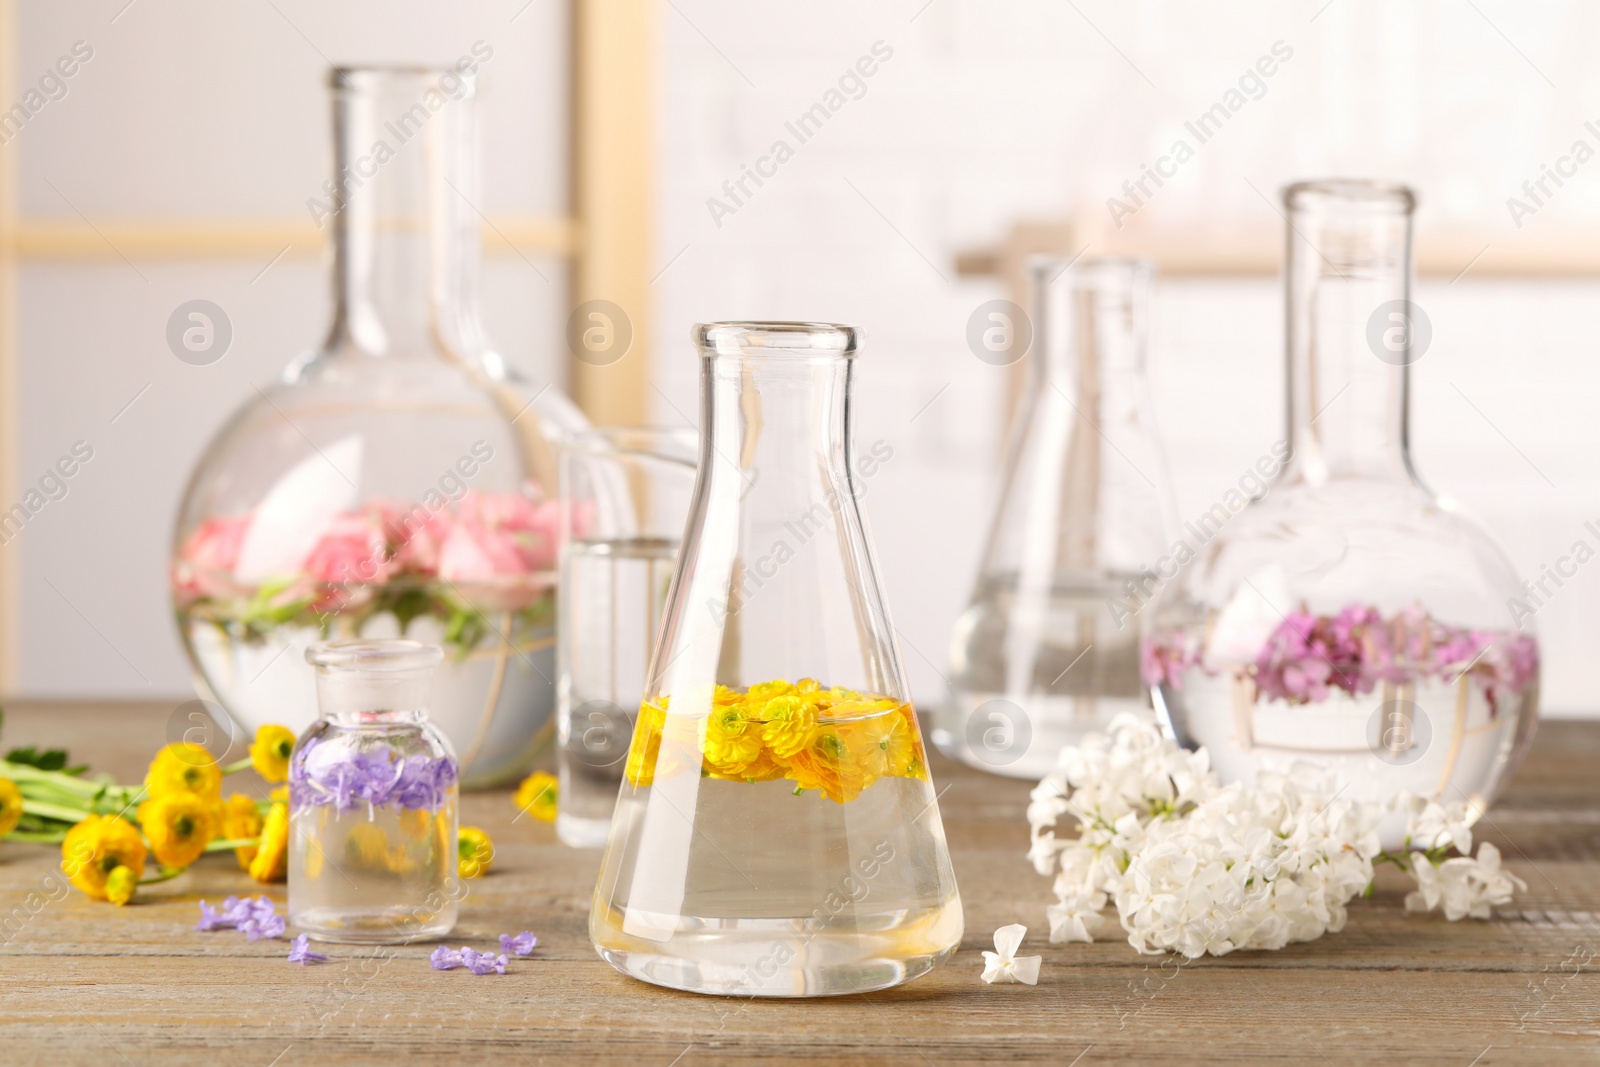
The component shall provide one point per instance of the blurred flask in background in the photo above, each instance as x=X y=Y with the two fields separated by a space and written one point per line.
x=1048 y=647
x=624 y=500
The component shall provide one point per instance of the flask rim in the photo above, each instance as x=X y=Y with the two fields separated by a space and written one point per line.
x=1357 y=193
x=776 y=339
x=357 y=77
x=374 y=655
x=1054 y=268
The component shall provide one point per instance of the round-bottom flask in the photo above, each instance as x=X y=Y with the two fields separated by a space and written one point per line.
x=1350 y=618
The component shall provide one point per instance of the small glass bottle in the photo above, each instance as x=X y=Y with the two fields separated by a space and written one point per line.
x=1350 y=617
x=1048 y=648
x=777 y=833
x=372 y=800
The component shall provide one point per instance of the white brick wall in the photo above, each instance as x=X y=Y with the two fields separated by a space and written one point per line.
x=993 y=112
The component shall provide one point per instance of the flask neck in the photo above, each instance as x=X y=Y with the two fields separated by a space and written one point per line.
x=776 y=577
x=1349 y=332
x=405 y=234
x=1084 y=490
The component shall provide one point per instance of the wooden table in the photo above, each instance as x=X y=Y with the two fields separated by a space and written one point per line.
x=83 y=982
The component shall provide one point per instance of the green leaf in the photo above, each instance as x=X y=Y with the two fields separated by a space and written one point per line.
x=51 y=759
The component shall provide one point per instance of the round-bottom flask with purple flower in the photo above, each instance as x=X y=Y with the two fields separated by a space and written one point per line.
x=1349 y=617
x=373 y=789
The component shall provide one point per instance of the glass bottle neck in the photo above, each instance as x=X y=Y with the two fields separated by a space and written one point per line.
x=405 y=233
x=1348 y=323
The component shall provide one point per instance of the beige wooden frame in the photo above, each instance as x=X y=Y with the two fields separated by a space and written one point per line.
x=604 y=237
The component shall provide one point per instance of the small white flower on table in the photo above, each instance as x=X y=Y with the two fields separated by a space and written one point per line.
x=1003 y=964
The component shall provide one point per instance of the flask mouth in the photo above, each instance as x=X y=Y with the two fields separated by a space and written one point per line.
x=1351 y=193
x=1053 y=269
x=374 y=656
x=452 y=81
x=777 y=339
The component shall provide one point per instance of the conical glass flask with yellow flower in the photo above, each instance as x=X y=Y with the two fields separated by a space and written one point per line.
x=777 y=833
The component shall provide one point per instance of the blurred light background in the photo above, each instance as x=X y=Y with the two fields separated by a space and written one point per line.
x=176 y=164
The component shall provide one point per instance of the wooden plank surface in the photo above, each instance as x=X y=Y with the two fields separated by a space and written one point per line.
x=83 y=982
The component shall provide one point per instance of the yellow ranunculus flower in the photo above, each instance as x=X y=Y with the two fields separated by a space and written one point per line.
x=367 y=846
x=645 y=748
x=10 y=806
x=791 y=725
x=476 y=852
x=831 y=765
x=271 y=862
x=892 y=745
x=120 y=884
x=241 y=818
x=182 y=767
x=538 y=794
x=269 y=753
x=732 y=741
x=178 y=827
x=97 y=846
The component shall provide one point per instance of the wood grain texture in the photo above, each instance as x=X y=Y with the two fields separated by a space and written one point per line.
x=82 y=982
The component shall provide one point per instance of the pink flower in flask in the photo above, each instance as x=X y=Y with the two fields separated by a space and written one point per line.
x=527 y=526
x=206 y=561
x=415 y=535
x=351 y=552
x=477 y=555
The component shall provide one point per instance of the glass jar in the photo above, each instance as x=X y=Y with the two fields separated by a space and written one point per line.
x=1350 y=617
x=777 y=833
x=1048 y=648
x=372 y=800
x=624 y=497
x=398 y=481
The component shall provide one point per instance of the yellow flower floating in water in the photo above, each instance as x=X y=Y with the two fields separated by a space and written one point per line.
x=732 y=741
x=538 y=794
x=182 y=767
x=271 y=862
x=835 y=741
x=178 y=827
x=269 y=753
x=97 y=847
x=10 y=806
x=476 y=852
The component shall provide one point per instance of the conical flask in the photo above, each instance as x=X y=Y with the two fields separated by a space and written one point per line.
x=1048 y=648
x=776 y=833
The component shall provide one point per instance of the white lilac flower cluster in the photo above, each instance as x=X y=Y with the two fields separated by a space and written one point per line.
x=1193 y=866
x=1463 y=885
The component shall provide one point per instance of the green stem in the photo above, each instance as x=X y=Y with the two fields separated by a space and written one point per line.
x=21 y=772
x=235 y=767
x=37 y=837
x=53 y=811
x=166 y=875
x=236 y=842
x=52 y=793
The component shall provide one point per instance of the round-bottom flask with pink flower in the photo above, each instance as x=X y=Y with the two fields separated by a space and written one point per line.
x=1350 y=617
x=373 y=790
x=398 y=481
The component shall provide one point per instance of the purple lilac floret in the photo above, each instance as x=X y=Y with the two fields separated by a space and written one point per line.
x=1307 y=656
x=300 y=952
x=255 y=917
x=520 y=945
x=448 y=959
x=323 y=775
